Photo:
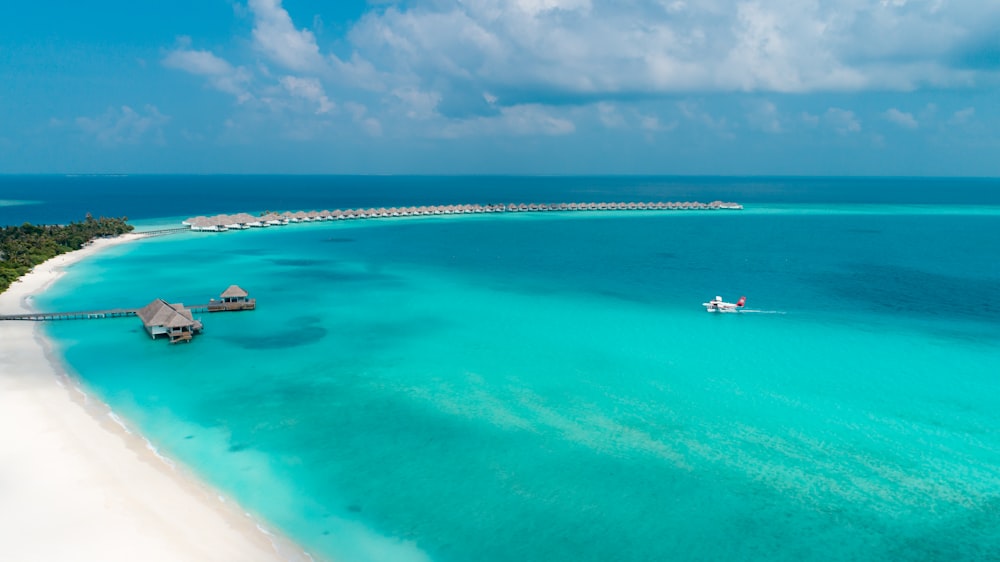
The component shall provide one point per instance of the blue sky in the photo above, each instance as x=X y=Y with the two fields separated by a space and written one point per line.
x=796 y=87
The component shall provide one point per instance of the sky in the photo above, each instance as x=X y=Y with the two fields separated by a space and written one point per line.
x=712 y=87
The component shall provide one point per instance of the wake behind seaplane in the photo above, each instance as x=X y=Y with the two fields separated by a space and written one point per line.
x=719 y=305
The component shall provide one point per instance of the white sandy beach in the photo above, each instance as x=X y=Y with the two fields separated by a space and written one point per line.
x=74 y=485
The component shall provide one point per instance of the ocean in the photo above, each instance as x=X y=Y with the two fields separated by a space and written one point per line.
x=548 y=386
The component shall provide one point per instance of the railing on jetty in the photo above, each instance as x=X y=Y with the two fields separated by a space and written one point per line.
x=213 y=306
x=231 y=306
x=163 y=231
x=76 y=315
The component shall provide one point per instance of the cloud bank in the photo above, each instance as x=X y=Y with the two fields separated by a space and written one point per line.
x=454 y=68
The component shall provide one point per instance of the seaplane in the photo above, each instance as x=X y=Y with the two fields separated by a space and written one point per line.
x=719 y=305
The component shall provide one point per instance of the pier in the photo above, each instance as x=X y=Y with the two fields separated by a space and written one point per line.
x=75 y=315
x=95 y=314
x=233 y=299
x=245 y=221
x=159 y=317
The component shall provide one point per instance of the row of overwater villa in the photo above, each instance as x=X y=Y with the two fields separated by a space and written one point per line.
x=241 y=221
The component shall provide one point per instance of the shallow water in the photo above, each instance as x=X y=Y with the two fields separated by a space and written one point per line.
x=548 y=387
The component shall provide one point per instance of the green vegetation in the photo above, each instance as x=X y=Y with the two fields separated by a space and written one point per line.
x=23 y=247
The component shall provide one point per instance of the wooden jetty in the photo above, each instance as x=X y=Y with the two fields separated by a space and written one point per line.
x=159 y=317
x=74 y=315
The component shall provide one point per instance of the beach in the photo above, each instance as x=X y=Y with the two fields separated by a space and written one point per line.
x=75 y=484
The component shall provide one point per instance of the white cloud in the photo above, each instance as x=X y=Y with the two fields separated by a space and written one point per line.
x=513 y=67
x=603 y=47
x=371 y=126
x=220 y=74
x=124 y=125
x=308 y=89
x=963 y=115
x=203 y=63
x=694 y=112
x=518 y=120
x=275 y=35
x=651 y=123
x=535 y=7
x=763 y=115
x=610 y=116
x=775 y=48
x=905 y=120
x=673 y=7
x=262 y=92
x=417 y=104
x=842 y=121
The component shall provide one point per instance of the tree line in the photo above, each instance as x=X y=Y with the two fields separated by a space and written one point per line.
x=23 y=247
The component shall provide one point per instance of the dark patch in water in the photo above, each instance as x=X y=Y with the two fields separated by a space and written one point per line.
x=296 y=262
x=617 y=295
x=254 y=252
x=302 y=330
x=354 y=508
x=189 y=437
x=285 y=340
x=910 y=291
x=344 y=276
x=237 y=447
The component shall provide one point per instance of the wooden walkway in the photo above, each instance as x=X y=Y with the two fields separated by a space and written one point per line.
x=86 y=314
x=163 y=231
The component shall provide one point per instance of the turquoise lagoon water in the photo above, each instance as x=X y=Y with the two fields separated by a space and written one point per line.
x=548 y=387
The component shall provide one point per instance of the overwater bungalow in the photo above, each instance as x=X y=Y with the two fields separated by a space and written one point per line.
x=209 y=224
x=274 y=219
x=231 y=222
x=233 y=299
x=197 y=223
x=161 y=318
x=246 y=220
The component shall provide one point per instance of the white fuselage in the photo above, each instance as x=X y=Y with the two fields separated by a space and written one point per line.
x=718 y=305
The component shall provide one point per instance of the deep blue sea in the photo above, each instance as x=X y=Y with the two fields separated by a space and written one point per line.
x=548 y=386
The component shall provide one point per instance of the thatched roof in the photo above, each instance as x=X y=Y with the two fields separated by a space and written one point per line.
x=161 y=313
x=234 y=291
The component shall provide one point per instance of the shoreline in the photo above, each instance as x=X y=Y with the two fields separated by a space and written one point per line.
x=78 y=484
